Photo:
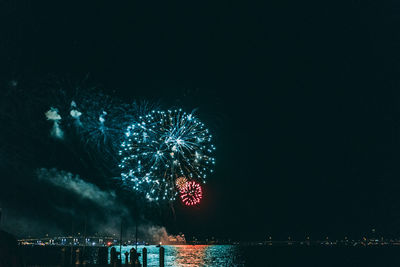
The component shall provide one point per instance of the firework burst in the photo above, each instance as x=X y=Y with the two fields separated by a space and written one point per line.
x=191 y=193
x=180 y=182
x=161 y=147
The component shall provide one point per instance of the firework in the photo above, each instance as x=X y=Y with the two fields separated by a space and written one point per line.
x=162 y=146
x=180 y=182
x=101 y=119
x=191 y=193
x=96 y=120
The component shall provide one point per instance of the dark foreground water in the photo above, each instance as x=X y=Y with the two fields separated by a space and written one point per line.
x=234 y=256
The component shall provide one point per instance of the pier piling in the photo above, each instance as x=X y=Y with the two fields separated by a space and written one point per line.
x=113 y=256
x=162 y=253
x=63 y=257
x=144 y=252
x=126 y=257
x=77 y=261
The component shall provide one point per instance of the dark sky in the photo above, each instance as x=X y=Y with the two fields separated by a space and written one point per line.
x=302 y=96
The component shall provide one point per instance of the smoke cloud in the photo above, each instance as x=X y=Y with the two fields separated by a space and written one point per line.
x=52 y=115
x=76 y=114
x=75 y=184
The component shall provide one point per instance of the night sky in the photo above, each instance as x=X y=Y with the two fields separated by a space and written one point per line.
x=302 y=98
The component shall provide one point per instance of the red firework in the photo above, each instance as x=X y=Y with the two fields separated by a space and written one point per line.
x=191 y=193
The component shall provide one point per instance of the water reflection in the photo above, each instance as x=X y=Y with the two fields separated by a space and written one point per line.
x=193 y=256
x=186 y=256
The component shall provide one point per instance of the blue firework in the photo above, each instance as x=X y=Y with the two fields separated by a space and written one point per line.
x=162 y=146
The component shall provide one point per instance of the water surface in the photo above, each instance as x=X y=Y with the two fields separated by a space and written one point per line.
x=238 y=256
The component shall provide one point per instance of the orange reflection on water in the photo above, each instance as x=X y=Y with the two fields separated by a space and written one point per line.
x=186 y=256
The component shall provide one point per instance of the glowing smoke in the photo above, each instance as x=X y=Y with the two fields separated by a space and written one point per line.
x=75 y=184
x=52 y=115
x=75 y=113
